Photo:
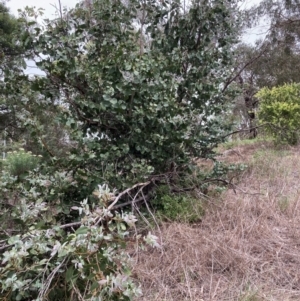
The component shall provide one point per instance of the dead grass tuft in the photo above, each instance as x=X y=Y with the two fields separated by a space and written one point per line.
x=246 y=248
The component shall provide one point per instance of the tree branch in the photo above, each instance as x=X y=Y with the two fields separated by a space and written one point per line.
x=243 y=68
x=245 y=130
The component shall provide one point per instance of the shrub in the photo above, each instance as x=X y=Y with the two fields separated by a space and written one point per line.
x=139 y=103
x=84 y=260
x=133 y=110
x=280 y=108
x=177 y=207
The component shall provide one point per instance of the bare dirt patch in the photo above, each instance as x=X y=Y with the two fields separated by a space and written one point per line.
x=247 y=246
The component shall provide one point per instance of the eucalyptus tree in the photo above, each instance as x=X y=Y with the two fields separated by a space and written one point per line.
x=278 y=53
x=273 y=60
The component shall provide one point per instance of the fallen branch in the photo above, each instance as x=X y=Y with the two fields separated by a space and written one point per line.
x=110 y=207
x=227 y=183
x=246 y=130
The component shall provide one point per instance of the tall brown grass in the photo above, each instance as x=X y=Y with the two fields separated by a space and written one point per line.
x=246 y=247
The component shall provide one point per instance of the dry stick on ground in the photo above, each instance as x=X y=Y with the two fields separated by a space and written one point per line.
x=153 y=218
x=246 y=130
x=231 y=185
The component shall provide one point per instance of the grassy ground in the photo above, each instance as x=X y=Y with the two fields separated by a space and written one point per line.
x=247 y=245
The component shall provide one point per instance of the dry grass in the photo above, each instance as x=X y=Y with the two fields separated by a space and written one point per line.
x=247 y=246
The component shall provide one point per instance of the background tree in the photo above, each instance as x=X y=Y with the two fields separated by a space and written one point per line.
x=272 y=61
x=8 y=25
x=24 y=121
x=244 y=79
x=280 y=109
x=278 y=54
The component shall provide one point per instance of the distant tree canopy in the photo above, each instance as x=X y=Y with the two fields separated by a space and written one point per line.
x=273 y=60
x=278 y=57
x=7 y=27
x=8 y=46
x=9 y=60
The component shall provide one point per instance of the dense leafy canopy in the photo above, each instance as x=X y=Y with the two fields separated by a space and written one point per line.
x=277 y=55
x=8 y=25
x=280 y=108
x=138 y=83
x=9 y=60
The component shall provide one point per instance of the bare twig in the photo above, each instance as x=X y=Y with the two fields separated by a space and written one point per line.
x=229 y=81
x=110 y=207
x=60 y=10
x=131 y=202
x=4 y=247
x=246 y=130
x=116 y=199
x=47 y=284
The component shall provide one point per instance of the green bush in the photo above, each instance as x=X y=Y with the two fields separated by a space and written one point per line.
x=280 y=109
x=84 y=260
x=177 y=207
x=19 y=163
x=133 y=111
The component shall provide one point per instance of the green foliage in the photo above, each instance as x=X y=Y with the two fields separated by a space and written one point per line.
x=19 y=163
x=8 y=24
x=177 y=207
x=132 y=92
x=11 y=51
x=140 y=98
x=237 y=143
x=223 y=171
x=175 y=203
x=49 y=261
x=280 y=108
x=45 y=184
x=275 y=58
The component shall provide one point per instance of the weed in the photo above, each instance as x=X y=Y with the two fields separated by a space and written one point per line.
x=250 y=296
x=177 y=207
x=283 y=203
x=238 y=142
x=245 y=142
